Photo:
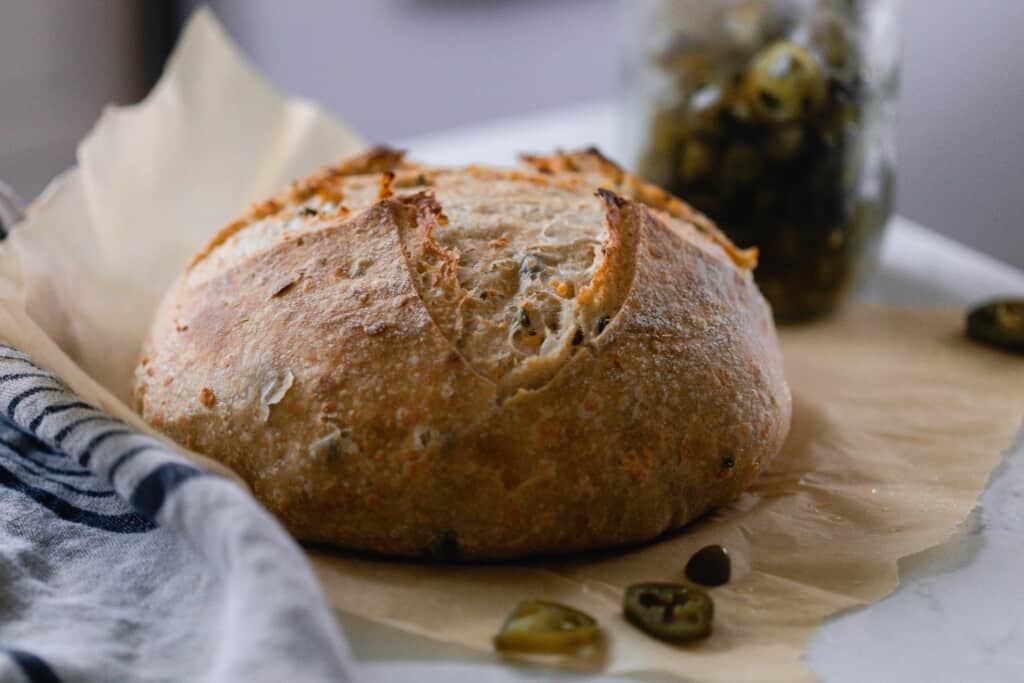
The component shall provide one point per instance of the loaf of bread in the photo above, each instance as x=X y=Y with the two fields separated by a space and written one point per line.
x=472 y=362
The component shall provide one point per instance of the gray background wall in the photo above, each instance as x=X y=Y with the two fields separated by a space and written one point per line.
x=395 y=68
x=59 y=63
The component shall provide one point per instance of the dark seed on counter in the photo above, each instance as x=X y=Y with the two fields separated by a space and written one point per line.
x=577 y=338
x=602 y=323
x=710 y=566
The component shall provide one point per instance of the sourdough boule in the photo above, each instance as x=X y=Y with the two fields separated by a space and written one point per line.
x=472 y=362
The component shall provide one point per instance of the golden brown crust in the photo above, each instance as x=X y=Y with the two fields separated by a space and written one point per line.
x=343 y=366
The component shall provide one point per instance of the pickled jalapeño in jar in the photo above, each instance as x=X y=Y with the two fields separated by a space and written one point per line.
x=774 y=118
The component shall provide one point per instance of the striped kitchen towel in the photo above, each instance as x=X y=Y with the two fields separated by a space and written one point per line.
x=120 y=560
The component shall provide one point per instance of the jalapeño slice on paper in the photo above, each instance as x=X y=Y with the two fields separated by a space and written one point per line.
x=998 y=323
x=541 y=626
x=669 y=611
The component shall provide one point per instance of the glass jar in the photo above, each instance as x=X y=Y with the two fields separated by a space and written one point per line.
x=775 y=118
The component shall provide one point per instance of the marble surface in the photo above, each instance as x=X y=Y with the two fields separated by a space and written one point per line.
x=958 y=614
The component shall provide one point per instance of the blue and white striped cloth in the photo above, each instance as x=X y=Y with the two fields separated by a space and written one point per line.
x=120 y=560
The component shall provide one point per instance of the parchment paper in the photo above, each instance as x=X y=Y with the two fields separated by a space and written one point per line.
x=897 y=420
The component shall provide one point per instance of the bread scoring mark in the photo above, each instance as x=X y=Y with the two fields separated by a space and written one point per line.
x=432 y=269
x=600 y=301
x=553 y=316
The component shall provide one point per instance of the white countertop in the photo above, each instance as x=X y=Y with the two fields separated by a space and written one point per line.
x=958 y=614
